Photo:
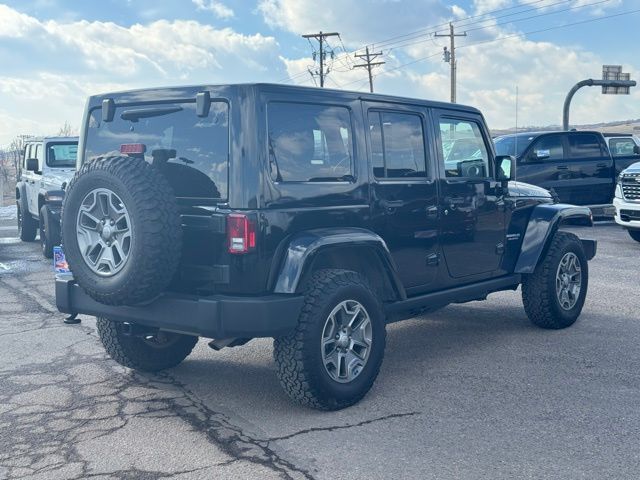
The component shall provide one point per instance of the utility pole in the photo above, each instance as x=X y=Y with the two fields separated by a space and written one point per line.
x=370 y=57
x=450 y=57
x=320 y=38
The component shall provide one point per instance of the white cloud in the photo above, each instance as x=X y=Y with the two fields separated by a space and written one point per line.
x=358 y=22
x=219 y=9
x=70 y=60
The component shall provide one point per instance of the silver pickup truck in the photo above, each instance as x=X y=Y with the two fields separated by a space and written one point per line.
x=47 y=166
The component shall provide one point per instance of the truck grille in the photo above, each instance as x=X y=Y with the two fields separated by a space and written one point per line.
x=631 y=186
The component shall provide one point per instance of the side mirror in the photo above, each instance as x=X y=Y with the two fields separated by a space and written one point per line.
x=505 y=168
x=32 y=165
x=636 y=150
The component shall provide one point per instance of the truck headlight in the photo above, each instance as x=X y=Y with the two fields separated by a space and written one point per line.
x=618 y=191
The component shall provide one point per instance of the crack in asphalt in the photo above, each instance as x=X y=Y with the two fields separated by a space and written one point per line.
x=341 y=427
x=48 y=411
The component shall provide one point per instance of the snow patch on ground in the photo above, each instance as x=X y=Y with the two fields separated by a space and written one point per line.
x=8 y=212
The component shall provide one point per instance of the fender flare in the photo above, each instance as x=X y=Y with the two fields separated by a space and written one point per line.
x=303 y=247
x=543 y=224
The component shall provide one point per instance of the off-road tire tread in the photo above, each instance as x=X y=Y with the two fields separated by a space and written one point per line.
x=51 y=234
x=131 y=352
x=289 y=352
x=159 y=220
x=29 y=228
x=536 y=297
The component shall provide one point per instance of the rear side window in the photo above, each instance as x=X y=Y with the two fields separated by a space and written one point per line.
x=548 y=149
x=585 y=146
x=397 y=145
x=310 y=143
x=192 y=152
x=622 y=147
x=61 y=155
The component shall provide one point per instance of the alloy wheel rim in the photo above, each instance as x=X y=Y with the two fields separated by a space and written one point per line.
x=104 y=232
x=346 y=341
x=568 y=281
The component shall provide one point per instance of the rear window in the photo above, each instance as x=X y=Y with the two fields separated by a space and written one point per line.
x=585 y=146
x=62 y=155
x=310 y=143
x=192 y=151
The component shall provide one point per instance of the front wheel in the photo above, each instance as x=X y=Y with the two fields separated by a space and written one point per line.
x=635 y=234
x=554 y=294
x=332 y=358
x=149 y=352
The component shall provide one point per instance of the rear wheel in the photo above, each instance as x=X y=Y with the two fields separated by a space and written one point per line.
x=635 y=234
x=334 y=355
x=150 y=351
x=27 y=226
x=49 y=232
x=554 y=294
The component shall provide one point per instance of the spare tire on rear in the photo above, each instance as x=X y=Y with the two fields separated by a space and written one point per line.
x=121 y=230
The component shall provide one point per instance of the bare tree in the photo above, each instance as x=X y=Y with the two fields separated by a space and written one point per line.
x=10 y=161
x=67 y=130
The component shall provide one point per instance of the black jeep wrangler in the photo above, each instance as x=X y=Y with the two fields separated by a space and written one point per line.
x=311 y=216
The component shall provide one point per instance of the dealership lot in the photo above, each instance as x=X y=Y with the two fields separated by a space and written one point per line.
x=471 y=391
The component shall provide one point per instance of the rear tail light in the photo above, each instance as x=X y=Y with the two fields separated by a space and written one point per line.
x=241 y=233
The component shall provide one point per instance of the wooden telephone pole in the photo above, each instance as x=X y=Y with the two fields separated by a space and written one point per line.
x=452 y=57
x=320 y=38
x=369 y=64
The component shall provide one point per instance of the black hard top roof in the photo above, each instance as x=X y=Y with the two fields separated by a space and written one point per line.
x=162 y=93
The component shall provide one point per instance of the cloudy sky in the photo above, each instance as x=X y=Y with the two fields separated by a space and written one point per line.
x=54 y=53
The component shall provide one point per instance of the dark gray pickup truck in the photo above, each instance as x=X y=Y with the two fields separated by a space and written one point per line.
x=577 y=166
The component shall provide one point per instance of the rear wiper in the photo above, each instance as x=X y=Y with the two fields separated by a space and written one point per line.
x=343 y=178
x=138 y=113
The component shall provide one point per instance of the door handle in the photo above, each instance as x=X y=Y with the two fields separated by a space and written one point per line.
x=432 y=212
x=391 y=204
x=601 y=165
x=562 y=167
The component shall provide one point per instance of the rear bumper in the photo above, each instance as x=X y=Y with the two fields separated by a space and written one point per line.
x=216 y=316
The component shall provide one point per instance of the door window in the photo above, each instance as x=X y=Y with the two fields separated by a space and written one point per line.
x=463 y=149
x=622 y=147
x=397 y=145
x=585 y=146
x=548 y=149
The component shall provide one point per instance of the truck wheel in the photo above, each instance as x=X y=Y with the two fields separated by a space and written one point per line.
x=332 y=358
x=148 y=353
x=121 y=230
x=49 y=233
x=635 y=234
x=27 y=226
x=554 y=294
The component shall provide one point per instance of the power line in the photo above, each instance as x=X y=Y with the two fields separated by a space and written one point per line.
x=431 y=30
x=557 y=27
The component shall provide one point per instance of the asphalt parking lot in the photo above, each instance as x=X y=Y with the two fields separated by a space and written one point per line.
x=472 y=391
